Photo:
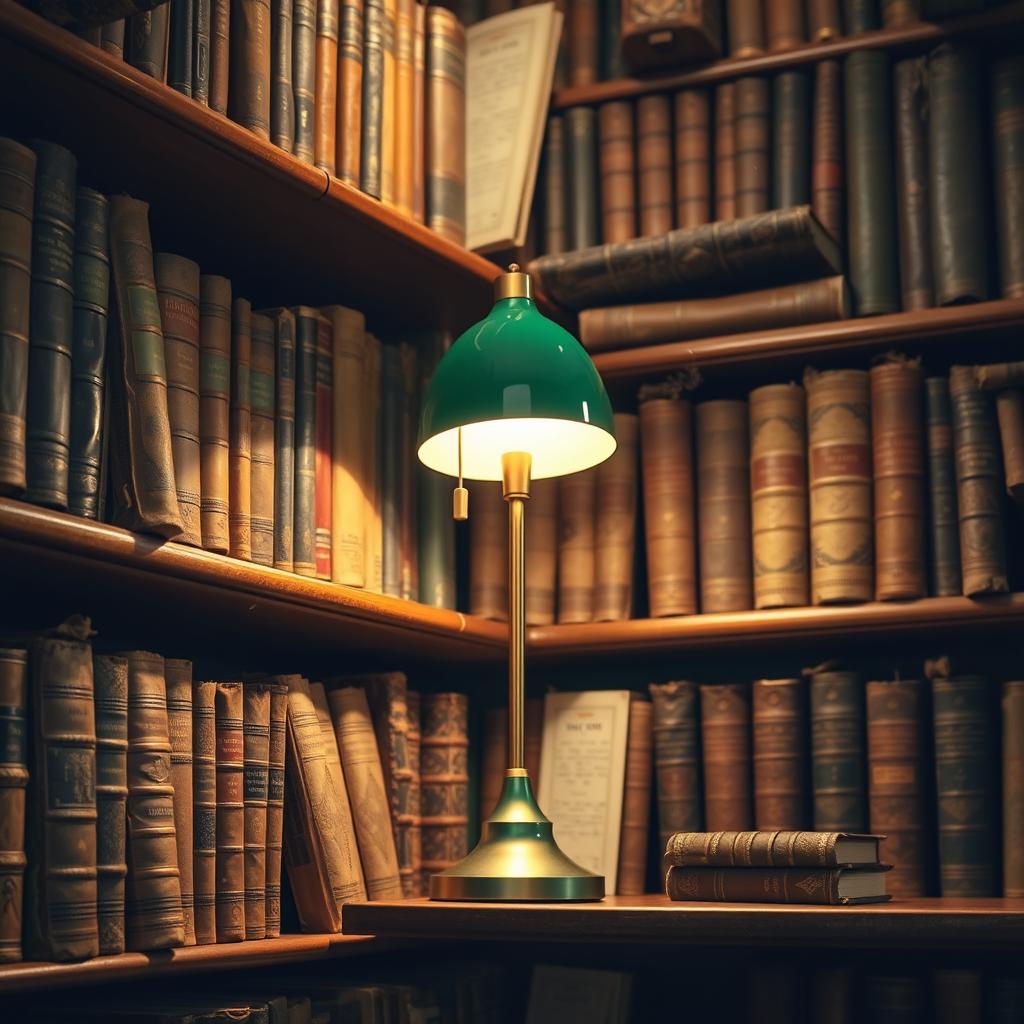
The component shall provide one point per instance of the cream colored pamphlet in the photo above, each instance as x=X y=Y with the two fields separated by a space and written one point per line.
x=582 y=769
x=510 y=64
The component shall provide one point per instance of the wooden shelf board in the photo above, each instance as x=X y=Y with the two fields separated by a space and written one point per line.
x=781 y=625
x=909 y=38
x=930 y=922
x=215 y=588
x=863 y=334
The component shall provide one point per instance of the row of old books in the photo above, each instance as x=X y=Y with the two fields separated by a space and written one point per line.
x=915 y=761
x=285 y=437
x=152 y=811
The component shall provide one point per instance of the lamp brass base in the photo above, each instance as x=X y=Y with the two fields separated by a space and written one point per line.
x=517 y=858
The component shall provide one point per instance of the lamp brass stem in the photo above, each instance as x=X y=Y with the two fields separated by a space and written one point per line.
x=516 y=485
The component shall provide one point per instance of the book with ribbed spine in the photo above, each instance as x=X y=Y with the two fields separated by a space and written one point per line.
x=325 y=89
x=350 y=92
x=220 y=54
x=405 y=86
x=230 y=733
x=779 y=724
x=541 y=553
x=674 y=725
x=13 y=783
x=389 y=93
x=784 y=24
x=284 y=437
x=581 y=178
x=373 y=542
x=371 y=123
x=261 y=394
x=307 y=323
x=725 y=746
x=201 y=11
x=838 y=757
x=618 y=171
x=1013 y=788
x=304 y=77
x=275 y=807
x=419 y=110
x=445 y=157
x=256 y=757
x=576 y=550
x=692 y=157
x=1007 y=91
x=282 y=96
x=240 y=432
x=725 y=152
x=944 y=534
x=828 y=198
x=615 y=525
x=654 y=165
x=215 y=410
x=324 y=441
x=178 y=677
x=791 y=139
x=753 y=146
x=179 y=56
x=204 y=810
x=819 y=886
x=773 y=848
x=488 y=586
x=636 y=800
x=745 y=23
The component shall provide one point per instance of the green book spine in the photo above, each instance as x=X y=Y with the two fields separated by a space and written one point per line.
x=373 y=107
x=944 y=550
x=282 y=97
x=581 y=137
x=390 y=470
x=304 y=527
x=861 y=16
x=201 y=51
x=1008 y=129
x=284 y=440
x=791 y=140
x=179 y=58
x=304 y=75
x=838 y=757
x=610 y=41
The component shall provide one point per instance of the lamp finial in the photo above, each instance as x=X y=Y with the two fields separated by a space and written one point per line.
x=513 y=284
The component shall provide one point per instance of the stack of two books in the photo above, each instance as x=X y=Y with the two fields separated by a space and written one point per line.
x=824 y=868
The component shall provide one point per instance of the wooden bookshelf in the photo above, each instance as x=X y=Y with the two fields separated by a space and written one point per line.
x=997 y=21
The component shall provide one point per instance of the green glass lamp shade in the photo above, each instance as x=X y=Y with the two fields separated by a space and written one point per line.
x=516 y=382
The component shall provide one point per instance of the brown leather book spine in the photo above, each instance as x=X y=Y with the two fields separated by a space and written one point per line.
x=153 y=916
x=13 y=783
x=275 y=807
x=373 y=569
x=230 y=904
x=780 y=721
x=815 y=886
x=488 y=530
x=542 y=553
x=618 y=174
x=220 y=54
x=416 y=882
x=839 y=464
x=493 y=747
x=979 y=486
x=753 y=150
x=725 y=743
x=204 y=810
x=324 y=467
x=178 y=675
x=110 y=675
x=666 y=453
x=838 y=759
x=388 y=139
x=723 y=506
x=943 y=521
x=725 y=151
x=823 y=22
x=177 y=286
x=636 y=801
x=827 y=168
x=615 y=525
x=444 y=779
x=409 y=582
x=784 y=24
x=676 y=757
x=896 y=781
x=405 y=85
x=325 y=96
x=304 y=77
x=1010 y=414
x=576 y=546
x=214 y=408
x=419 y=125
x=1013 y=789
x=745 y=22
x=249 y=74
x=1007 y=92
x=583 y=41
x=256 y=754
x=997 y=376
x=555 y=201
x=261 y=388
x=654 y=164
x=60 y=880
x=897 y=438
x=764 y=848
x=900 y=13
x=348 y=130
x=364 y=780
x=240 y=433
x=693 y=157
x=778 y=495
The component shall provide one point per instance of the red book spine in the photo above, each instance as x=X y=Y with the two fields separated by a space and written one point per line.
x=324 y=401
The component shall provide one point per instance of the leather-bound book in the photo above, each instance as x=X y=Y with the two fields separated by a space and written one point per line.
x=324 y=439
x=445 y=158
x=828 y=196
x=943 y=521
x=964 y=782
x=823 y=21
x=870 y=205
x=220 y=54
x=177 y=287
x=745 y=22
x=325 y=100
x=897 y=438
x=773 y=248
x=373 y=568
x=900 y=13
x=542 y=553
x=861 y=16
x=112 y=38
x=818 y=886
x=347 y=134
x=753 y=148
x=17 y=192
x=910 y=83
x=1013 y=788
x=275 y=807
x=488 y=569
x=204 y=810
x=230 y=730
x=791 y=139
x=249 y=93
x=670 y=34
x=666 y=454
x=615 y=525
x=581 y=177
x=415 y=882
x=998 y=376
x=582 y=30
x=371 y=124
x=364 y=780
x=772 y=847
x=282 y=95
x=654 y=164
x=674 y=727
x=405 y=98
x=52 y=326
x=957 y=188
x=1010 y=414
x=778 y=496
x=1007 y=103
x=896 y=780
x=651 y=323
x=576 y=553
x=307 y=322
x=178 y=677
x=256 y=755
x=779 y=724
x=978 y=465
x=838 y=756
x=419 y=110
x=153 y=914
x=636 y=801
x=611 y=64
x=391 y=405
x=725 y=744
x=692 y=157
x=179 y=56
x=839 y=473
x=304 y=77
x=555 y=200
x=89 y=351
x=142 y=462
x=261 y=388
x=148 y=39
x=215 y=409
x=444 y=779
x=618 y=173
x=13 y=783
x=388 y=150
x=784 y=24
x=284 y=437
x=60 y=880
x=723 y=506
x=725 y=151
x=201 y=11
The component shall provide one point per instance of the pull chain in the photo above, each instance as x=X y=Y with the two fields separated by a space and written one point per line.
x=460 y=496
